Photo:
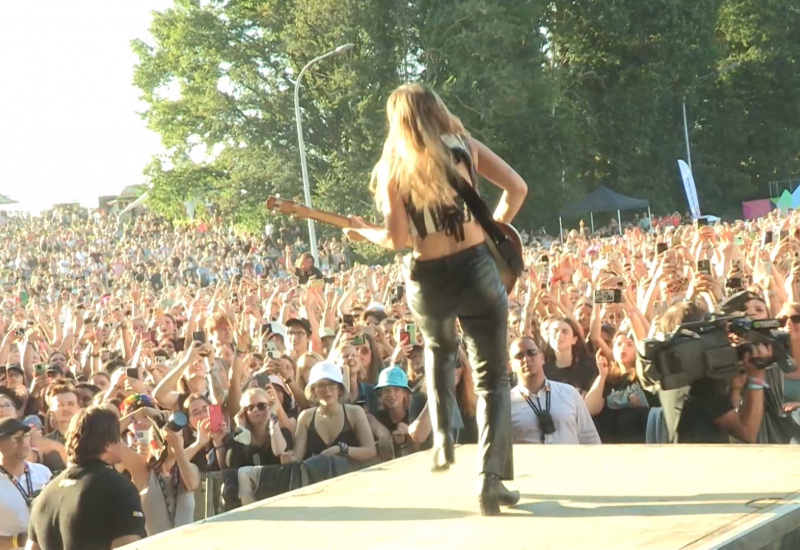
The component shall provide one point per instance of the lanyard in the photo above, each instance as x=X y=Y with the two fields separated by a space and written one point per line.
x=173 y=474
x=27 y=495
x=537 y=410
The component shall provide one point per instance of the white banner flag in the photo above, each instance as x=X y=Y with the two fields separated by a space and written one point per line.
x=689 y=187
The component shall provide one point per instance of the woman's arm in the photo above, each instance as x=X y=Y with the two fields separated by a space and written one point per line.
x=166 y=393
x=136 y=466
x=235 y=384
x=497 y=171
x=6 y=346
x=276 y=439
x=188 y=471
x=289 y=263
x=420 y=429
x=594 y=397
x=301 y=434
x=395 y=233
x=595 y=333
x=127 y=341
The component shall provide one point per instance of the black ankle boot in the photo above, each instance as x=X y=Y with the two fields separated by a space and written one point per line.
x=444 y=456
x=493 y=494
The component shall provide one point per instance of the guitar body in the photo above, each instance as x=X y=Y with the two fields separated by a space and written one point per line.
x=507 y=274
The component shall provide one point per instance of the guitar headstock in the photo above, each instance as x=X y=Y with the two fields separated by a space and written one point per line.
x=284 y=206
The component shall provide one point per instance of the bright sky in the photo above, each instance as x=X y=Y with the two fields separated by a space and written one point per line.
x=68 y=123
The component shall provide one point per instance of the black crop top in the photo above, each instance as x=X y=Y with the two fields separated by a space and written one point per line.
x=315 y=445
x=449 y=218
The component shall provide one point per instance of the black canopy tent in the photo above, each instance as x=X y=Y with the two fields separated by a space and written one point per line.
x=602 y=199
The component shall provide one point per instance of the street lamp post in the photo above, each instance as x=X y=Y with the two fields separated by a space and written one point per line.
x=719 y=71
x=312 y=235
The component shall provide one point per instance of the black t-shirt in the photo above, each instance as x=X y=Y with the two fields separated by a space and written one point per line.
x=245 y=455
x=625 y=412
x=385 y=418
x=581 y=374
x=303 y=277
x=706 y=401
x=52 y=459
x=86 y=507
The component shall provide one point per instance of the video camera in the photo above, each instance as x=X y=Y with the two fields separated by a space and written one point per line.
x=705 y=349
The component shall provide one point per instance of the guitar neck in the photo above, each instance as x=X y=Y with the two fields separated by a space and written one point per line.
x=292 y=208
x=325 y=217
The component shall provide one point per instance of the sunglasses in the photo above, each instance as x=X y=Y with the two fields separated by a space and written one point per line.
x=259 y=406
x=793 y=318
x=19 y=438
x=526 y=353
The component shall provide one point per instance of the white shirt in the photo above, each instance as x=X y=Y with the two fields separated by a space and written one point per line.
x=571 y=417
x=14 y=512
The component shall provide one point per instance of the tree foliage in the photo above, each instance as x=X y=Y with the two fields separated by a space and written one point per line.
x=573 y=94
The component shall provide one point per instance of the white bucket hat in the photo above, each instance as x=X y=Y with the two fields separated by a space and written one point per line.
x=323 y=371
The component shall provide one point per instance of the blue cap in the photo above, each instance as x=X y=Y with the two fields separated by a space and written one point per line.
x=393 y=376
x=33 y=421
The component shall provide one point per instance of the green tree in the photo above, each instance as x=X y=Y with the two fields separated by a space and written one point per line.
x=573 y=94
x=630 y=62
x=747 y=121
x=219 y=79
x=488 y=59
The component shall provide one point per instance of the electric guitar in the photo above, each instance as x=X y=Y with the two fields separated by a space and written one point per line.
x=292 y=208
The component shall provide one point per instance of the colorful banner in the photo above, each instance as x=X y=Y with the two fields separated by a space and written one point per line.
x=689 y=187
x=784 y=202
x=756 y=209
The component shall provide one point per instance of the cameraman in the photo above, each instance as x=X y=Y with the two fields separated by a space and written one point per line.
x=705 y=411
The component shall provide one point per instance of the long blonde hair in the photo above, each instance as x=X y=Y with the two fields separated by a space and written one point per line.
x=414 y=156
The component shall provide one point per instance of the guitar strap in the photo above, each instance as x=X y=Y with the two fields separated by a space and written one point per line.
x=480 y=210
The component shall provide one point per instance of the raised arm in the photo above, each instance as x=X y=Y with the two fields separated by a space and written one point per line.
x=497 y=171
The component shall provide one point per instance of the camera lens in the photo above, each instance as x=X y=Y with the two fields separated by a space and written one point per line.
x=177 y=421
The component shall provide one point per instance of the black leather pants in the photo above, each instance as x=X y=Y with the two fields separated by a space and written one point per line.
x=466 y=286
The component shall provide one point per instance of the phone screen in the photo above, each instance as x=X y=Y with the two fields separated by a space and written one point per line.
x=704 y=266
x=132 y=372
x=358 y=340
x=199 y=336
x=411 y=329
x=272 y=350
x=215 y=417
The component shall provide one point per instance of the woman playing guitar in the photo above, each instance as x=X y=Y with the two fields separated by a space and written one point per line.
x=452 y=276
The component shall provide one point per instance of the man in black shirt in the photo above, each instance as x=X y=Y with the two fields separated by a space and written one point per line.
x=89 y=506
x=704 y=411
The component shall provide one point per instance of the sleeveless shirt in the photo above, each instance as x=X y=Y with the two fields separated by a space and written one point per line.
x=449 y=218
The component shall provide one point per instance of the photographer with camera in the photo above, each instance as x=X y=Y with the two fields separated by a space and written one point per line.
x=169 y=500
x=705 y=411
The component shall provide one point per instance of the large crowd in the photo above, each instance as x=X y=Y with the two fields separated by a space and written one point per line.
x=240 y=354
